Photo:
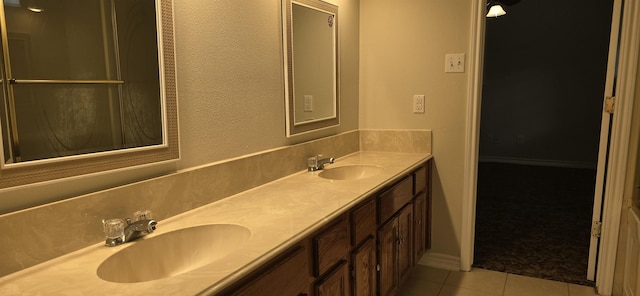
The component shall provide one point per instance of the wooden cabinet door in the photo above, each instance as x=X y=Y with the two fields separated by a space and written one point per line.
x=405 y=238
x=388 y=258
x=364 y=272
x=419 y=213
x=336 y=283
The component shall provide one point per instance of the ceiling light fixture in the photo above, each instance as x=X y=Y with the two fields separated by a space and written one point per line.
x=495 y=10
x=34 y=6
x=35 y=9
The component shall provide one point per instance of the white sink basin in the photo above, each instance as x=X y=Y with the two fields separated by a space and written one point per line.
x=350 y=172
x=172 y=253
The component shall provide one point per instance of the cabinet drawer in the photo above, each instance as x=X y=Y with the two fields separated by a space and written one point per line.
x=395 y=198
x=287 y=276
x=363 y=221
x=420 y=176
x=330 y=246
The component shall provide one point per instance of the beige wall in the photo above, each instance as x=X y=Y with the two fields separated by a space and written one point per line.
x=402 y=52
x=230 y=77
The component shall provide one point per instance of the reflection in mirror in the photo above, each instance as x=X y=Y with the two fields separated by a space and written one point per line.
x=88 y=85
x=311 y=65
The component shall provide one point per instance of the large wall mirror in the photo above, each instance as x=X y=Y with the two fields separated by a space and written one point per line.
x=311 y=65
x=87 y=86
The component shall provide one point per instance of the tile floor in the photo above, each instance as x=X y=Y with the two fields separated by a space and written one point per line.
x=429 y=281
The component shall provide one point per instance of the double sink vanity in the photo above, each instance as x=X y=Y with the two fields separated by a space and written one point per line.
x=356 y=227
x=237 y=227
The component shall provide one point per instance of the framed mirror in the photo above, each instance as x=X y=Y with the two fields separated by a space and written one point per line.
x=88 y=86
x=311 y=65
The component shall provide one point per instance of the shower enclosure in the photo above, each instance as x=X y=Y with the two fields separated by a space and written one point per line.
x=78 y=76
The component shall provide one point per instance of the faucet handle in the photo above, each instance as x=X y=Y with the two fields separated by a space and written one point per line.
x=142 y=215
x=114 y=231
x=312 y=161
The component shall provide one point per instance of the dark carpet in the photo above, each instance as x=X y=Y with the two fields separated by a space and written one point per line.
x=534 y=221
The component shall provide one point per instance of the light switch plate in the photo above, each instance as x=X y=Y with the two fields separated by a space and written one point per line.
x=308 y=103
x=418 y=104
x=454 y=63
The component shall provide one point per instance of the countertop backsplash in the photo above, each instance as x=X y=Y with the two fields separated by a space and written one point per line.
x=38 y=234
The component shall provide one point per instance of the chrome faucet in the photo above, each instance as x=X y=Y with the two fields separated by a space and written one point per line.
x=317 y=162
x=138 y=229
x=118 y=233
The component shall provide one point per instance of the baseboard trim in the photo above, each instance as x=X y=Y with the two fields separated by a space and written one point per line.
x=539 y=162
x=441 y=261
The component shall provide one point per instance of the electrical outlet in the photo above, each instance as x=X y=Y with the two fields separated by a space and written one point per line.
x=418 y=104
x=454 y=63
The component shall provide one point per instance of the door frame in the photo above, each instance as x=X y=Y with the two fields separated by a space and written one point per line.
x=605 y=137
x=618 y=153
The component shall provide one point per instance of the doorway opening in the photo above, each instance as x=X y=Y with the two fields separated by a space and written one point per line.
x=544 y=77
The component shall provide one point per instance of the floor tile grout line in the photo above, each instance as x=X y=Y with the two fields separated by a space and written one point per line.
x=443 y=282
x=504 y=287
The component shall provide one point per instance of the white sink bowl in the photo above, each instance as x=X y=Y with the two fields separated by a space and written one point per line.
x=173 y=253
x=350 y=172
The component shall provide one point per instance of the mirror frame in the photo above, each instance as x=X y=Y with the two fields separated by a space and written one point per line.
x=57 y=168
x=293 y=128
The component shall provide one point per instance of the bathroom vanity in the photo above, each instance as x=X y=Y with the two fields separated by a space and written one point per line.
x=341 y=257
x=354 y=228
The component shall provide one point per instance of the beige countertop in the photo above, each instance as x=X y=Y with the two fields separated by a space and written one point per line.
x=278 y=214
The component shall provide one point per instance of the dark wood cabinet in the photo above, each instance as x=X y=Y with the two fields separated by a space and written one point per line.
x=403 y=228
x=395 y=242
x=363 y=269
x=336 y=283
x=422 y=208
x=419 y=226
x=363 y=221
x=395 y=198
x=287 y=275
x=405 y=242
x=370 y=250
x=363 y=255
x=330 y=246
x=388 y=258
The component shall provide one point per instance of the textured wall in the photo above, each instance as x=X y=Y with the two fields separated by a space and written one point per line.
x=402 y=53
x=230 y=77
